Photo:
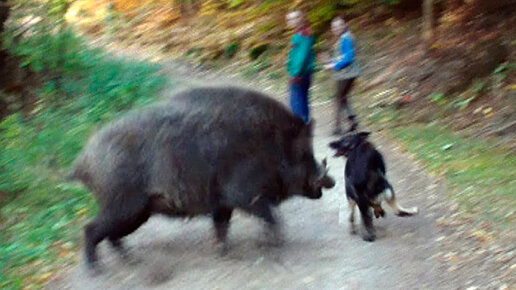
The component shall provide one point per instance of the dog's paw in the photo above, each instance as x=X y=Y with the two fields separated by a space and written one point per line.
x=368 y=234
x=368 y=237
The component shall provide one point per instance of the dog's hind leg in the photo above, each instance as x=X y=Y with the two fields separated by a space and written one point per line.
x=390 y=198
x=378 y=210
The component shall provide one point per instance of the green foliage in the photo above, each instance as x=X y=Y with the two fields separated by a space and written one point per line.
x=320 y=16
x=437 y=98
x=37 y=209
x=44 y=51
x=231 y=49
x=234 y=3
x=478 y=87
x=481 y=173
x=257 y=50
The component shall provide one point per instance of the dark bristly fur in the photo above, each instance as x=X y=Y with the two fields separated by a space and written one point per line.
x=366 y=183
x=205 y=151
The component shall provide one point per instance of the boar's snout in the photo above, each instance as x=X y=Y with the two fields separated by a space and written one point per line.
x=325 y=180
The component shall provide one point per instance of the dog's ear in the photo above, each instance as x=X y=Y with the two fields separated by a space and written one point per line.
x=363 y=135
x=335 y=144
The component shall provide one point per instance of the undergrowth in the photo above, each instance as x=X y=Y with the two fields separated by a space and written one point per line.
x=40 y=216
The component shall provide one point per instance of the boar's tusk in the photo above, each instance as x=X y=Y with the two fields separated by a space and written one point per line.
x=255 y=199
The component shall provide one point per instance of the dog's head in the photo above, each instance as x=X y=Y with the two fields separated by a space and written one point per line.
x=348 y=143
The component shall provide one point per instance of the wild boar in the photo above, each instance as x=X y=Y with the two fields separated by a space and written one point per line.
x=205 y=151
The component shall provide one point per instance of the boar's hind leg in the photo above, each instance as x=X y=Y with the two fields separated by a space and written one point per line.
x=221 y=218
x=116 y=220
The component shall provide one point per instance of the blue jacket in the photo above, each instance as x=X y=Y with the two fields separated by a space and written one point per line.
x=344 y=61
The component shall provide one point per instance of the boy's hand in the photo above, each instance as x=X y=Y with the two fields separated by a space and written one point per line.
x=329 y=66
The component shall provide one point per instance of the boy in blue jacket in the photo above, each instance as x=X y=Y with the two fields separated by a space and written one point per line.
x=346 y=70
x=300 y=64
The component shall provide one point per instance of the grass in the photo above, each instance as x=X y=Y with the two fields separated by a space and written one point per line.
x=41 y=216
x=482 y=175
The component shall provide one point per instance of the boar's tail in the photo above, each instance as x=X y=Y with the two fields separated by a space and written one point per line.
x=77 y=173
x=72 y=175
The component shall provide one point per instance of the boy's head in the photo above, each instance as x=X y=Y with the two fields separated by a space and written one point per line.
x=295 y=19
x=338 y=25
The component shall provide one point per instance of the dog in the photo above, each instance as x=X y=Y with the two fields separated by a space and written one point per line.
x=366 y=184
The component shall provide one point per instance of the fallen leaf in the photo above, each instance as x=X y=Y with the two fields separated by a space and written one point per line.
x=447 y=146
x=81 y=211
x=440 y=238
x=64 y=253
x=487 y=110
x=43 y=278
x=480 y=235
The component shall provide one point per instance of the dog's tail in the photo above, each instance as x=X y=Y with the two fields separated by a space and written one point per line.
x=390 y=197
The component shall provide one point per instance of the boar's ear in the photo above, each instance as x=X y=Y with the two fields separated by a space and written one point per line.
x=310 y=126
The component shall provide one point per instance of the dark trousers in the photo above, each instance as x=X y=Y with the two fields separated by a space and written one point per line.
x=341 y=98
x=299 y=88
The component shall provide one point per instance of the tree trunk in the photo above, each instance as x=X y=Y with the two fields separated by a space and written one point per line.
x=428 y=26
x=4 y=14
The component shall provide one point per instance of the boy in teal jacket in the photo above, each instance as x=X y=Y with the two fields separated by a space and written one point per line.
x=300 y=65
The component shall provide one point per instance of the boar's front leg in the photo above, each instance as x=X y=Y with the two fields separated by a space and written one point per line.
x=261 y=207
x=221 y=218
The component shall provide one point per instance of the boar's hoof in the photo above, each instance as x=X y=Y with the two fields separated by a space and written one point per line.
x=222 y=248
x=131 y=260
x=275 y=240
x=94 y=269
x=125 y=253
x=272 y=238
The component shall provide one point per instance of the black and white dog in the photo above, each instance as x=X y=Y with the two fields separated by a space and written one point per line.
x=366 y=183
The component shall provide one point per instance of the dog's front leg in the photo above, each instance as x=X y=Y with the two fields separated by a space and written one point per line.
x=352 y=205
x=368 y=232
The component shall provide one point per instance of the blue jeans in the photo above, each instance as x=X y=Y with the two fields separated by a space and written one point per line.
x=299 y=97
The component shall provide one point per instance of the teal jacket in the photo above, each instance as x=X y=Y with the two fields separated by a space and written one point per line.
x=301 y=57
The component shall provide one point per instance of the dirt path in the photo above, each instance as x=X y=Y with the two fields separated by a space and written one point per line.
x=318 y=253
